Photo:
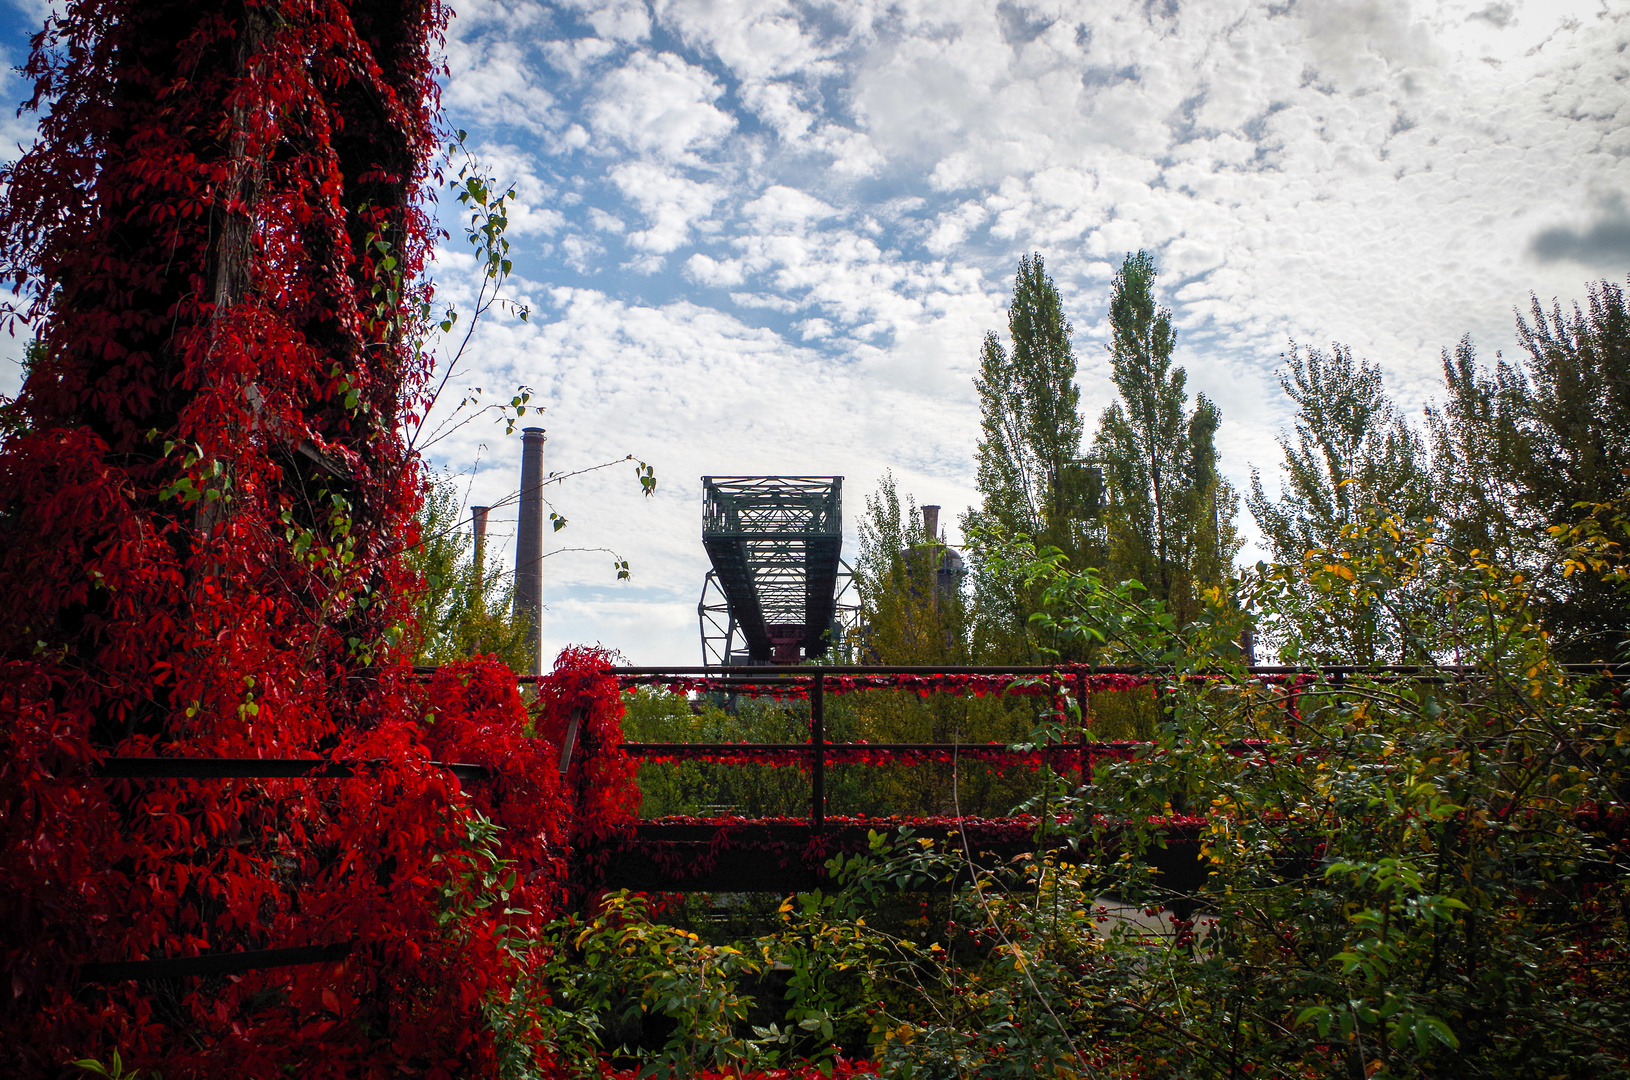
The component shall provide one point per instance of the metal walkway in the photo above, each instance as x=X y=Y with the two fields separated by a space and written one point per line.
x=774 y=542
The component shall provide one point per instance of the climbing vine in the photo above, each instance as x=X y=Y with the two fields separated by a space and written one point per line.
x=219 y=240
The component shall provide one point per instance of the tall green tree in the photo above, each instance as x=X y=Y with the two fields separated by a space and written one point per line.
x=1029 y=410
x=463 y=607
x=1353 y=460
x=911 y=596
x=1351 y=448
x=1170 y=518
x=1515 y=449
x=1029 y=474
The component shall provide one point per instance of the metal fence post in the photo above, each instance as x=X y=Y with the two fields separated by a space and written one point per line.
x=1086 y=754
x=817 y=739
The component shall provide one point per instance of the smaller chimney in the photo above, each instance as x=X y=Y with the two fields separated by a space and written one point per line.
x=931 y=522
x=478 y=522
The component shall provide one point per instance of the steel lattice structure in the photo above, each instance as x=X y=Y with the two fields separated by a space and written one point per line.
x=775 y=544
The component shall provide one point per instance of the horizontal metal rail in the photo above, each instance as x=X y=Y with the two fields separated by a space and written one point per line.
x=1111 y=748
x=757 y=674
x=835 y=751
x=760 y=671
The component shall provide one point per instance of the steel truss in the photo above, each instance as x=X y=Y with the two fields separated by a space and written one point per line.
x=775 y=543
x=724 y=644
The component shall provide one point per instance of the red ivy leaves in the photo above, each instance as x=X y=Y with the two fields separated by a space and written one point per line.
x=203 y=494
x=582 y=696
x=479 y=718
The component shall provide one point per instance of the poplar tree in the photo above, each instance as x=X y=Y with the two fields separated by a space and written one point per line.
x=1029 y=476
x=1351 y=456
x=1516 y=449
x=1350 y=448
x=1170 y=518
x=1029 y=410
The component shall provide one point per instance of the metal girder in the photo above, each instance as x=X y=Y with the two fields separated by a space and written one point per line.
x=720 y=634
x=774 y=542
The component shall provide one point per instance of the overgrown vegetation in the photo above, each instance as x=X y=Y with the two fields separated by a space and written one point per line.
x=219 y=545
x=465 y=606
x=1403 y=875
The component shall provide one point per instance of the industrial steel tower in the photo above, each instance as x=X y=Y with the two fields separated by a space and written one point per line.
x=774 y=595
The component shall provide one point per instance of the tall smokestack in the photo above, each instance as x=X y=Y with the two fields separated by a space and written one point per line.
x=478 y=523
x=529 y=545
x=931 y=522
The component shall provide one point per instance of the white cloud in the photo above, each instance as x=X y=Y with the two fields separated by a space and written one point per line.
x=705 y=270
x=646 y=265
x=670 y=202
x=661 y=106
x=782 y=207
x=606 y=223
x=619 y=20
x=853 y=154
x=813 y=329
x=767 y=301
x=755 y=38
x=493 y=83
x=576 y=57
x=953 y=227
x=777 y=104
x=580 y=252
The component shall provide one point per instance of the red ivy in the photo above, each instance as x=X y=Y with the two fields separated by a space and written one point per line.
x=479 y=718
x=204 y=494
x=582 y=690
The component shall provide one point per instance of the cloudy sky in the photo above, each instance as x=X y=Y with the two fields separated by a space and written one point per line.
x=761 y=236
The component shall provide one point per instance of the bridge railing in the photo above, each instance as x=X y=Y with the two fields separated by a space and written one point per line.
x=814 y=684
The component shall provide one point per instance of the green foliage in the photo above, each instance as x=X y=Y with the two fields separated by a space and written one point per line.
x=1518 y=448
x=463 y=608
x=1401 y=875
x=913 y=610
x=1352 y=453
x=1031 y=424
x=608 y=971
x=13 y=422
x=1379 y=594
x=1596 y=543
x=1029 y=477
x=1351 y=449
x=1171 y=514
x=1410 y=877
x=113 y=1070
x=1010 y=994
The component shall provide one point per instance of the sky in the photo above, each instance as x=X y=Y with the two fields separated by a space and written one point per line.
x=767 y=237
